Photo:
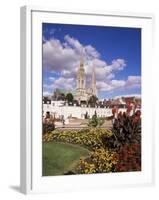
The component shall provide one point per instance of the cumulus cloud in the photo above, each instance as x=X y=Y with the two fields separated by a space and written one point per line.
x=58 y=56
x=72 y=42
x=91 y=52
x=65 y=83
x=118 y=64
x=64 y=57
x=131 y=82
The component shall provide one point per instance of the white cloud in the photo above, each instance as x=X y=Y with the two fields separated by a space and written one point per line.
x=118 y=83
x=131 y=82
x=103 y=86
x=72 y=42
x=51 y=78
x=46 y=93
x=56 y=57
x=91 y=52
x=134 y=81
x=118 y=64
x=64 y=83
x=63 y=58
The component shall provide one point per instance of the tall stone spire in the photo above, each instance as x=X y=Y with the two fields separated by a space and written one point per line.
x=82 y=58
x=81 y=75
x=94 y=91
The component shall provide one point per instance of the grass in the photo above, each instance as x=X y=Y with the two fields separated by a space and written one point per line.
x=59 y=158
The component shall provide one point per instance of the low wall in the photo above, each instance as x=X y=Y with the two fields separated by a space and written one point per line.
x=78 y=112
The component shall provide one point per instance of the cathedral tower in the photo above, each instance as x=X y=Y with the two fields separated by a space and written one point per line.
x=81 y=81
x=94 y=91
x=83 y=93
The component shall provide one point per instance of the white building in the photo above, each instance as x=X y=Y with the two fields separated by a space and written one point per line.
x=59 y=110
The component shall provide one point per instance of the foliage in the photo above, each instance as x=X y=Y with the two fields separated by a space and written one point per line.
x=69 y=97
x=99 y=161
x=92 y=101
x=48 y=124
x=47 y=128
x=61 y=97
x=117 y=150
x=95 y=121
x=126 y=130
x=129 y=158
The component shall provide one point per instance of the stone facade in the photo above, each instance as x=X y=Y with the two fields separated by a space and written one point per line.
x=58 y=109
x=82 y=92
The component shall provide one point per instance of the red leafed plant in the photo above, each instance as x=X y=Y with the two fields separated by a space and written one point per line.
x=129 y=158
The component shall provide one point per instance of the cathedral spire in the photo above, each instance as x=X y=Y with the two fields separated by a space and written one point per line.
x=94 y=81
x=82 y=58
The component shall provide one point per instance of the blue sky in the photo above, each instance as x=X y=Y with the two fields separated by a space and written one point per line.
x=115 y=51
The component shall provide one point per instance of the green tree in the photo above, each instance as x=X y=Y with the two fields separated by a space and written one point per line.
x=62 y=96
x=92 y=100
x=69 y=97
x=93 y=122
x=96 y=121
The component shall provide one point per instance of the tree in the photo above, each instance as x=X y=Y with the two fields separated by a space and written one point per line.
x=92 y=100
x=62 y=97
x=69 y=97
x=93 y=122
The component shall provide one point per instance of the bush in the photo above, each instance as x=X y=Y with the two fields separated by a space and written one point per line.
x=47 y=128
x=117 y=150
x=95 y=121
x=129 y=158
x=126 y=130
x=48 y=124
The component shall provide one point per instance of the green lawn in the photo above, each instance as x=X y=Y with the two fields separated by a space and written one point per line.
x=59 y=158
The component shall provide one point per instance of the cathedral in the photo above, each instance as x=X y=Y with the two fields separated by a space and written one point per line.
x=83 y=93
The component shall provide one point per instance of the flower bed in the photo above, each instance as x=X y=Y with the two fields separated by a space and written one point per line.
x=90 y=138
x=118 y=150
x=100 y=160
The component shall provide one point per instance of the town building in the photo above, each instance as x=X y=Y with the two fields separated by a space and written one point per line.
x=61 y=110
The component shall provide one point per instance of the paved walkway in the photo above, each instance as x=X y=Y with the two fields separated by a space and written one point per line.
x=107 y=124
x=82 y=123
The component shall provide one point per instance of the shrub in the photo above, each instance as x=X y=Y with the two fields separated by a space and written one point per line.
x=126 y=130
x=129 y=158
x=47 y=128
x=95 y=121
x=48 y=123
